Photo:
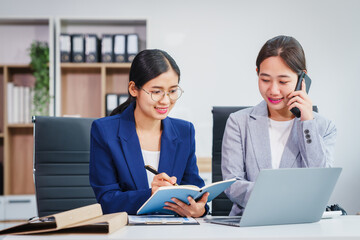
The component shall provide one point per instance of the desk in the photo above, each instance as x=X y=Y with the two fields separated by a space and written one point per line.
x=344 y=227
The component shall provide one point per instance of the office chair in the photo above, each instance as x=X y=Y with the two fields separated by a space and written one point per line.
x=221 y=205
x=61 y=163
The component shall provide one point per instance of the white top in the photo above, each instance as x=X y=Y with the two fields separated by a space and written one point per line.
x=151 y=158
x=279 y=132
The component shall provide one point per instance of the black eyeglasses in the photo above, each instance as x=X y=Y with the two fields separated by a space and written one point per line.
x=156 y=95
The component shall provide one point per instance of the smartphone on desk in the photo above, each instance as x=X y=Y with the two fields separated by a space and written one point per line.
x=296 y=111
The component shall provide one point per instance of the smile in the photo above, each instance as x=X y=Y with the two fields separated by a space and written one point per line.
x=161 y=110
x=275 y=100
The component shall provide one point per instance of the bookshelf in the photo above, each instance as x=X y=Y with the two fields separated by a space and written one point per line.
x=81 y=88
x=16 y=137
x=2 y=129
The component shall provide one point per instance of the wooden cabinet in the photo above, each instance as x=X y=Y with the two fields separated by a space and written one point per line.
x=18 y=141
x=84 y=87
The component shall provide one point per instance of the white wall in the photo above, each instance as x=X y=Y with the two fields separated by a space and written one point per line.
x=216 y=43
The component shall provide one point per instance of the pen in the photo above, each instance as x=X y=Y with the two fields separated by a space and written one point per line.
x=152 y=170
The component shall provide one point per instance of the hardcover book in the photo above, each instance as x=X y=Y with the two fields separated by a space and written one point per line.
x=157 y=201
x=88 y=219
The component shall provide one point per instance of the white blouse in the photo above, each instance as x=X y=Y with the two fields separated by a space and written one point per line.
x=151 y=158
x=279 y=132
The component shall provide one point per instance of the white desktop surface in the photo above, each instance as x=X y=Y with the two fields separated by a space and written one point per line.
x=344 y=227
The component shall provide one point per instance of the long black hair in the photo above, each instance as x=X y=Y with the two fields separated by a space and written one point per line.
x=288 y=48
x=147 y=65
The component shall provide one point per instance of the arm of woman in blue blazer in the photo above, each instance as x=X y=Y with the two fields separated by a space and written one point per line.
x=105 y=181
x=190 y=177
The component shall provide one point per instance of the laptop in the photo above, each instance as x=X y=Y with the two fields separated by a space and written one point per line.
x=286 y=196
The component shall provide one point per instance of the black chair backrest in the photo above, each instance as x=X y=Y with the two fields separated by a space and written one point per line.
x=221 y=205
x=61 y=163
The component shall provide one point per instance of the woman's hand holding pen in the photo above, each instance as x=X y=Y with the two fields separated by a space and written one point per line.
x=193 y=209
x=160 y=180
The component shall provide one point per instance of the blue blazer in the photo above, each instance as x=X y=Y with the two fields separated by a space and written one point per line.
x=246 y=149
x=117 y=173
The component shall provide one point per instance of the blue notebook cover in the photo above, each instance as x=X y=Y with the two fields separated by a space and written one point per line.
x=157 y=201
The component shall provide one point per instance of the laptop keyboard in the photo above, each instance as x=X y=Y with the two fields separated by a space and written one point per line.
x=230 y=221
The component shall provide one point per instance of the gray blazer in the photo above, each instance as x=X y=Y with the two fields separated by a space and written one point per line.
x=246 y=149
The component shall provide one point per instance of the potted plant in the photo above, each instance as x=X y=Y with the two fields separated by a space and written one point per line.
x=39 y=54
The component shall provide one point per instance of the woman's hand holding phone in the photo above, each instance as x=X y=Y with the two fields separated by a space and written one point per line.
x=301 y=100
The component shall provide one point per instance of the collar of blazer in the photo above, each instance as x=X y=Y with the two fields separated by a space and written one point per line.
x=132 y=150
x=260 y=139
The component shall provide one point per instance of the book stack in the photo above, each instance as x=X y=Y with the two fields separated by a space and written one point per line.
x=20 y=98
x=87 y=219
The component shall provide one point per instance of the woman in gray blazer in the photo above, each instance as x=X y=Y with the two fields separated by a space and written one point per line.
x=268 y=135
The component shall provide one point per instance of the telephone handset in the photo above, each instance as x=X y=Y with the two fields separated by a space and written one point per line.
x=296 y=111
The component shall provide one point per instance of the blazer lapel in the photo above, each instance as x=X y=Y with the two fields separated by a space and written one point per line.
x=291 y=150
x=131 y=148
x=259 y=134
x=169 y=141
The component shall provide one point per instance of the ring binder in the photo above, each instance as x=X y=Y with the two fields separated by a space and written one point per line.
x=91 y=48
x=77 y=44
x=107 y=48
x=65 y=47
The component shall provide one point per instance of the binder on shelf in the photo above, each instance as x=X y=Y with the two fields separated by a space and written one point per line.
x=122 y=98
x=107 y=48
x=132 y=46
x=77 y=48
x=91 y=48
x=10 y=102
x=120 y=48
x=65 y=47
x=88 y=219
x=111 y=102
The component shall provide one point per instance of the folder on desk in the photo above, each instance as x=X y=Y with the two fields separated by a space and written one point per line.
x=91 y=48
x=107 y=48
x=88 y=219
x=120 y=47
x=161 y=220
x=78 y=48
x=65 y=47
x=132 y=46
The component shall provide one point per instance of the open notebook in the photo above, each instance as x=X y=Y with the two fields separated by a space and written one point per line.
x=157 y=201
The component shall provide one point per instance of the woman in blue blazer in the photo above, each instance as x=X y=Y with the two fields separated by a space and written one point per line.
x=268 y=135
x=139 y=132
